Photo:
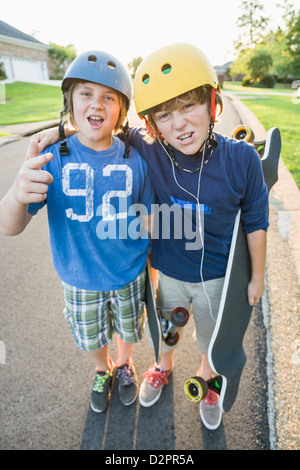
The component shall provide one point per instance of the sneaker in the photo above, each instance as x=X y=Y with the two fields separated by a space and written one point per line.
x=101 y=390
x=210 y=412
x=154 y=380
x=127 y=384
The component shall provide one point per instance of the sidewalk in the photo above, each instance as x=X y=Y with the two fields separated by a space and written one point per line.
x=282 y=300
x=17 y=131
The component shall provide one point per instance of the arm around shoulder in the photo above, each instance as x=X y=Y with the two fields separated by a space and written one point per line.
x=49 y=137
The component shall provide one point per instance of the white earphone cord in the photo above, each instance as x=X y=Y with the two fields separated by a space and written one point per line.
x=199 y=218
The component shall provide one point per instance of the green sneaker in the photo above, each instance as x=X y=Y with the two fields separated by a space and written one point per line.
x=127 y=381
x=101 y=391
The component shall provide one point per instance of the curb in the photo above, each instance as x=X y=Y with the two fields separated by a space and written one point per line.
x=17 y=131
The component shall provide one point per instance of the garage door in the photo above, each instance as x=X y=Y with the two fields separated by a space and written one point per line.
x=26 y=70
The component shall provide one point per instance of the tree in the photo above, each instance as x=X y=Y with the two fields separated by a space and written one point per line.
x=133 y=66
x=2 y=72
x=276 y=44
x=283 y=45
x=62 y=56
x=240 y=65
x=256 y=64
x=252 y=23
x=293 y=41
x=259 y=64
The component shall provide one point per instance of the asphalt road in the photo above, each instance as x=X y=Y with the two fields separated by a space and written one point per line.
x=45 y=381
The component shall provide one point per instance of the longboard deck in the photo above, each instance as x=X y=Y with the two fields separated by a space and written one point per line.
x=226 y=354
x=153 y=320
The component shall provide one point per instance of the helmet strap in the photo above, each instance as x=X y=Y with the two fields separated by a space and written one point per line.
x=213 y=104
x=125 y=132
x=64 y=151
x=156 y=135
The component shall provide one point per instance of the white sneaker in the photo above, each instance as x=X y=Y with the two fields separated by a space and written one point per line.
x=210 y=412
x=154 y=380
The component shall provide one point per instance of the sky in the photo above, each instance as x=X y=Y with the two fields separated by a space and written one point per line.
x=132 y=28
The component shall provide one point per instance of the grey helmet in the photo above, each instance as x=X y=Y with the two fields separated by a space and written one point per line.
x=100 y=67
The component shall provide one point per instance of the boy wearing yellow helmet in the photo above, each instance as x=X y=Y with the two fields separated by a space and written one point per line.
x=176 y=91
x=207 y=177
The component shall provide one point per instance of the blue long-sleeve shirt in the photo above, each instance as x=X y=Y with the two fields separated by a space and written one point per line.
x=231 y=179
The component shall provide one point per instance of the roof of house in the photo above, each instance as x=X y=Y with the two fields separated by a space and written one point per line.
x=222 y=68
x=7 y=30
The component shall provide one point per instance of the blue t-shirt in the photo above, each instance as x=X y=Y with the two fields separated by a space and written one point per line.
x=95 y=232
x=231 y=179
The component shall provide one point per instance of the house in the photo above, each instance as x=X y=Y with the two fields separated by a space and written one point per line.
x=222 y=72
x=24 y=57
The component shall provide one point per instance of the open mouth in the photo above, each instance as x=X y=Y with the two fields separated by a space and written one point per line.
x=95 y=121
x=185 y=137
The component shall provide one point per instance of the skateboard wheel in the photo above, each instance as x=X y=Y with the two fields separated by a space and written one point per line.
x=243 y=133
x=180 y=316
x=260 y=147
x=195 y=389
x=171 y=340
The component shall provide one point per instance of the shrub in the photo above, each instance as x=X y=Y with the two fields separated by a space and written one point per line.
x=269 y=81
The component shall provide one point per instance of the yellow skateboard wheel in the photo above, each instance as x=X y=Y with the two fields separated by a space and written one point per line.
x=195 y=389
x=243 y=133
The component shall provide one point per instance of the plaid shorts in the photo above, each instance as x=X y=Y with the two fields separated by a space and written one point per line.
x=94 y=316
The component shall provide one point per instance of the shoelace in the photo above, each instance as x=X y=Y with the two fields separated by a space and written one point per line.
x=156 y=377
x=124 y=373
x=211 y=398
x=100 y=381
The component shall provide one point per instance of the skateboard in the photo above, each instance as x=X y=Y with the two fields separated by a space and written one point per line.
x=245 y=133
x=161 y=329
x=179 y=318
x=153 y=320
x=226 y=354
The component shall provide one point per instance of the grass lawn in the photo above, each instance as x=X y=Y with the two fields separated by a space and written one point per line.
x=281 y=112
x=237 y=86
x=30 y=102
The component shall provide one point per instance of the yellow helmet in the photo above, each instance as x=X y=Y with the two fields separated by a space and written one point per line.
x=170 y=72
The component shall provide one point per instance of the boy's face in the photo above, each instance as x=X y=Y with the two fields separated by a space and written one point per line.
x=96 y=111
x=186 y=127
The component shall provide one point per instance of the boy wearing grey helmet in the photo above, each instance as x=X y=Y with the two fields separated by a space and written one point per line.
x=90 y=182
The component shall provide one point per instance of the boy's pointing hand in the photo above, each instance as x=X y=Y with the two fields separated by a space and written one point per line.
x=32 y=182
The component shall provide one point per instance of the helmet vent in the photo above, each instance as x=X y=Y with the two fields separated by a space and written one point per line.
x=145 y=79
x=166 y=69
x=92 y=58
x=111 y=64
